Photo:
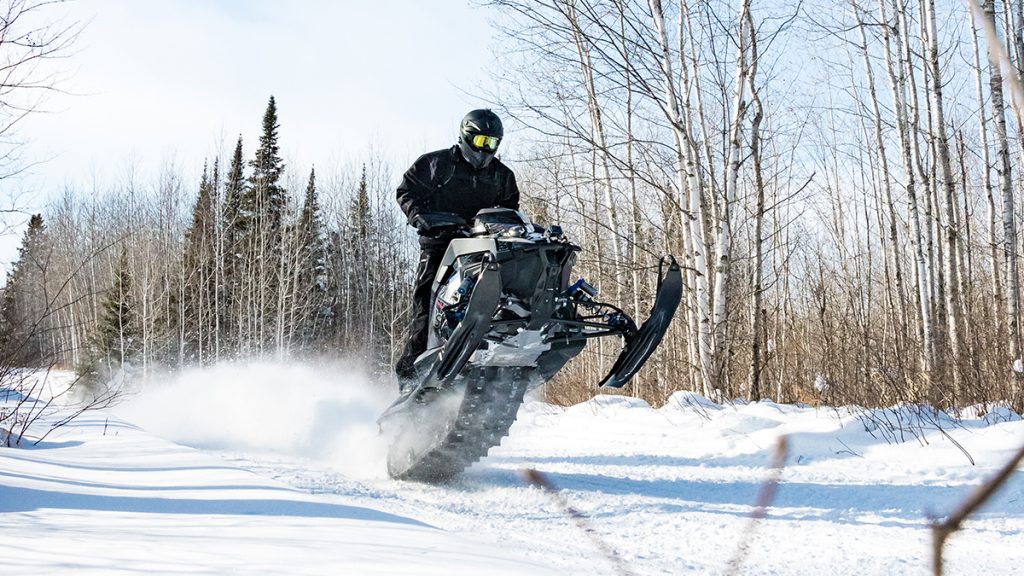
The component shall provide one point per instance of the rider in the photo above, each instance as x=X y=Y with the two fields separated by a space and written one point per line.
x=459 y=180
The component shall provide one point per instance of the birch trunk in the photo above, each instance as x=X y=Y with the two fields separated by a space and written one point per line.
x=689 y=195
x=998 y=301
x=636 y=255
x=948 y=188
x=600 y=143
x=724 y=241
x=1006 y=193
x=901 y=80
x=883 y=160
x=757 y=312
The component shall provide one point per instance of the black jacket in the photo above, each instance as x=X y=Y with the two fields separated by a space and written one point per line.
x=442 y=181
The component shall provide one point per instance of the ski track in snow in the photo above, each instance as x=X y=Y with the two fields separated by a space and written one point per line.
x=288 y=479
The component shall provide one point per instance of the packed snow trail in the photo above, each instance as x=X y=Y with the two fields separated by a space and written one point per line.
x=670 y=490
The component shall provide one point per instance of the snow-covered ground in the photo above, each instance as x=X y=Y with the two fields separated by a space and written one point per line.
x=277 y=470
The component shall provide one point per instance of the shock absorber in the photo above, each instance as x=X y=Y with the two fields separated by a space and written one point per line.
x=582 y=290
x=465 y=288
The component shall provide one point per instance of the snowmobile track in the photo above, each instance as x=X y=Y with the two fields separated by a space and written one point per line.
x=488 y=409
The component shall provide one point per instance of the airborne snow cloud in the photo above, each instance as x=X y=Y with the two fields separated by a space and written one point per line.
x=327 y=414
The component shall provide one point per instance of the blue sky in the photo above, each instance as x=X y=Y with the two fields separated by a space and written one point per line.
x=181 y=79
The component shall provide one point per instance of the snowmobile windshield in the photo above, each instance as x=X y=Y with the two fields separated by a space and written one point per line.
x=500 y=222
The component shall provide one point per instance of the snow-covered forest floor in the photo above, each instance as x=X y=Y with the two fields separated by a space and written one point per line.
x=270 y=469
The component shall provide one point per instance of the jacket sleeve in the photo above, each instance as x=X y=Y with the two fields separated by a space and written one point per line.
x=510 y=194
x=414 y=193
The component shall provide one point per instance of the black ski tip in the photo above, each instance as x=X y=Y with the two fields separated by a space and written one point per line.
x=470 y=332
x=641 y=345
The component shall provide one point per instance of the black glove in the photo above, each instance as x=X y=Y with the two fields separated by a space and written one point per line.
x=430 y=223
x=420 y=222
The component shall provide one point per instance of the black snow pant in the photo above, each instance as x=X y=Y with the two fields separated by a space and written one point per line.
x=430 y=261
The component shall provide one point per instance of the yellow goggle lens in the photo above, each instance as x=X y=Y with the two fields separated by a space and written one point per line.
x=488 y=142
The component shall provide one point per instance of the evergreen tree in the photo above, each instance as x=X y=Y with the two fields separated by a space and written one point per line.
x=199 y=306
x=24 y=310
x=234 y=196
x=362 y=261
x=200 y=235
x=117 y=338
x=268 y=197
x=360 y=212
x=312 y=232
x=235 y=221
x=261 y=268
x=315 y=287
x=269 y=310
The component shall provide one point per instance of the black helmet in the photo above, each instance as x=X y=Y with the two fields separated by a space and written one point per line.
x=479 y=135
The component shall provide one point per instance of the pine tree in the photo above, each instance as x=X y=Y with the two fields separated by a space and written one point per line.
x=23 y=311
x=363 y=264
x=261 y=267
x=311 y=231
x=234 y=191
x=360 y=212
x=267 y=167
x=235 y=220
x=267 y=241
x=316 y=287
x=117 y=338
x=200 y=305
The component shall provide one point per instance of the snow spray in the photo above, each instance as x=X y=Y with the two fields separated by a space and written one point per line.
x=327 y=414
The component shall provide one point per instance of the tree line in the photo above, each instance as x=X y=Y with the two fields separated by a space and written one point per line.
x=259 y=268
x=839 y=180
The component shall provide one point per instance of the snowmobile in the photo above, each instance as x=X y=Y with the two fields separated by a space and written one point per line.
x=505 y=320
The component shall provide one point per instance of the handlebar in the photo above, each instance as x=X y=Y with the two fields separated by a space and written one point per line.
x=438 y=223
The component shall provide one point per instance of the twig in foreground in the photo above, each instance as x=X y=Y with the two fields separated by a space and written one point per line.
x=765 y=497
x=536 y=478
x=942 y=530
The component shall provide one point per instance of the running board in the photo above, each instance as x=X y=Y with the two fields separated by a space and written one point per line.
x=643 y=343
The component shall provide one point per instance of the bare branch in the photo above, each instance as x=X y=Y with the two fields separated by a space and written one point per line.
x=581 y=520
x=943 y=530
x=765 y=497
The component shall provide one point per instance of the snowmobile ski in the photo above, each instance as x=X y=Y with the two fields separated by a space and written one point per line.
x=474 y=325
x=641 y=344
